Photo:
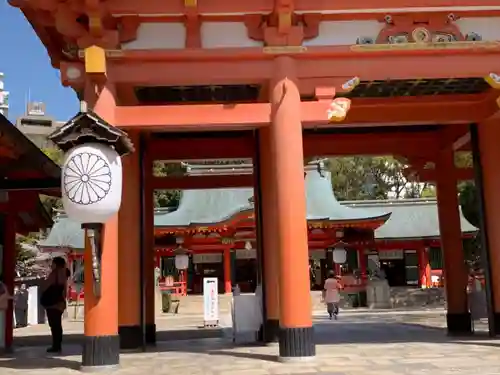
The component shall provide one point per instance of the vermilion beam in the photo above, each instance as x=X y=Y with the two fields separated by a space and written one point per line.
x=193 y=148
x=397 y=143
x=236 y=65
x=371 y=144
x=194 y=117
x=459 y=109
x=159 y=7
x=252 y=65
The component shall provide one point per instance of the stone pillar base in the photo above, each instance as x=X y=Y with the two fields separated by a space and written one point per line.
x=100 y=353
x=151 y=334
x=130 y=337
x=296 y=344
x=496 y=323
x=271 y=330
x=459 y=324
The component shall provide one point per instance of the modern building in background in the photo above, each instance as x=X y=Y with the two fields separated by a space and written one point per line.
x=37 y=125
x=4 y=97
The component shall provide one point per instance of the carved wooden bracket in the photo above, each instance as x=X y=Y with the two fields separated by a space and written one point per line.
x=421 y=28
x=283 y=29
x=192 y=23
x=128 y=27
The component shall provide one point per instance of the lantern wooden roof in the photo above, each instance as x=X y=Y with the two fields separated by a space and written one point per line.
x=86 y=126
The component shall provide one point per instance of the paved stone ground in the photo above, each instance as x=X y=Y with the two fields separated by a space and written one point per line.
x=379 y=343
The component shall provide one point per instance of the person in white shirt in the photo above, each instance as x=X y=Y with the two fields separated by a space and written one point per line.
x=331 y=295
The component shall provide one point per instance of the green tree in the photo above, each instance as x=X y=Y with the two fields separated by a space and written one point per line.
x=55 y=154
x=52 y=203
x=167 y=198
x=381 y=177
x=25 y=255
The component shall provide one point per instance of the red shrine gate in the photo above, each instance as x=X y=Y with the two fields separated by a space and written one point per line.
x=260 y=80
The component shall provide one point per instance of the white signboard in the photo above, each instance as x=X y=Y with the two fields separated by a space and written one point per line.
x=246 y=254
x=34 y=307
x=391 y=254
x=207 y=258
x=210 y=301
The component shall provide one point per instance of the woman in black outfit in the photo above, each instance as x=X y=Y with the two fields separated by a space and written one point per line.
x=53 y=299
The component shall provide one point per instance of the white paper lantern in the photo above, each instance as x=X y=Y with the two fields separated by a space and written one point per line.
x=181 y=261
x=91 y=183
x=339 y=255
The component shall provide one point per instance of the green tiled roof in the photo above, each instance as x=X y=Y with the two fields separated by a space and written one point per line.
x=412 y=218
x=322 y=204
x=64 y=233
x=217 y=205
x=205 y=206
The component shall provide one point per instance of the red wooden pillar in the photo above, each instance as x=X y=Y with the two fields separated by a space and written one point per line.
x=424 y=267
x=489 y=152
x=101 y=343
x=129 y=241
x=296 y=341
x=458 y=318
x=227 y=271
x=149 y=248
x=270 y=239
x=9 y=274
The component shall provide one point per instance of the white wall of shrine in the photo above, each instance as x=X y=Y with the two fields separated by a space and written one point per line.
x=172 y=35
x=487 y=27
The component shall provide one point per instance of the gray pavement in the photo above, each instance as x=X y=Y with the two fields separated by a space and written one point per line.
x=358 y=343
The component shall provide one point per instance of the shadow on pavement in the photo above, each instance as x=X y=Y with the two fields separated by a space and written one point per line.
x=212 y=342
x=36 y=358
x=169 y=335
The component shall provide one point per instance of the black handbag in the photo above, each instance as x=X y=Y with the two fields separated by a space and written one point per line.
x=52 y=295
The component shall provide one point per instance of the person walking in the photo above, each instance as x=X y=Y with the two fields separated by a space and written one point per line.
x=53 y=299
x=331 y=295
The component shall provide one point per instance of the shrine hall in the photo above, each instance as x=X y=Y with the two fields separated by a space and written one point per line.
x=216 y=227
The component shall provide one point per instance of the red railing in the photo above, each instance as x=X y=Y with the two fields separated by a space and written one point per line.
x=178 y=288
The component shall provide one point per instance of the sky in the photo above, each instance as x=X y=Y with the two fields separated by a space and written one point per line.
x=27 y=69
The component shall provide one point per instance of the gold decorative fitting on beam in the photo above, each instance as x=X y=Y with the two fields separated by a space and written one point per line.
x=338 y=109
x=493 y=80
x=95 y=60
x=284 y=21
x=284 y=50
x=190 y=3
x=498 y=102
x=95 y=24
x=426 y=46
x=110 y=53
x=351 y=84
